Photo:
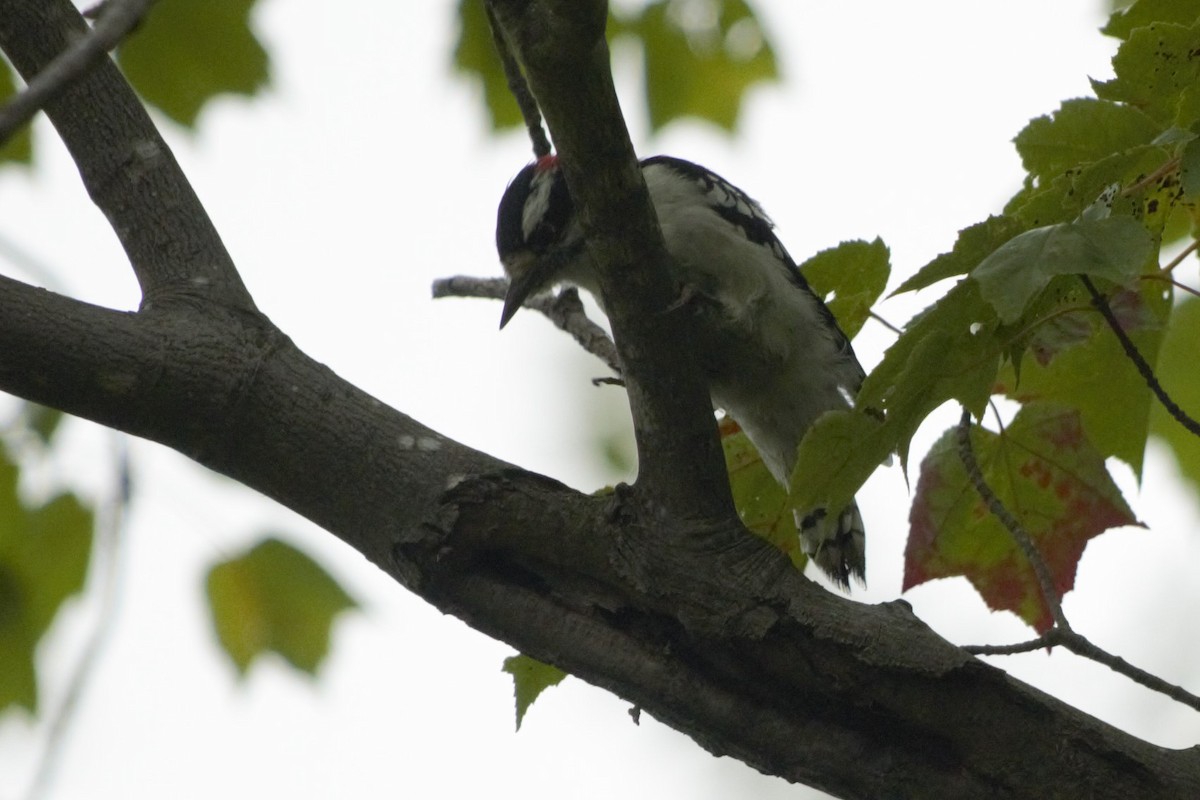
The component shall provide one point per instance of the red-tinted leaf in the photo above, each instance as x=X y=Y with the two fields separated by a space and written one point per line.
x=1047 y=474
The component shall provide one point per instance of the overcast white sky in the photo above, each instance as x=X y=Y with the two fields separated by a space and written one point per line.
x=366 y=172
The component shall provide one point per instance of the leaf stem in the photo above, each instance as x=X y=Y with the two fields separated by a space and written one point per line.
x=1021 y=536
x=1131 y=351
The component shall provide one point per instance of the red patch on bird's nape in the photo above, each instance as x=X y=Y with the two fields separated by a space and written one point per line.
x=546 y=163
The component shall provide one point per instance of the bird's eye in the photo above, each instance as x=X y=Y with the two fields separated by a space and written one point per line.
x=543 y=236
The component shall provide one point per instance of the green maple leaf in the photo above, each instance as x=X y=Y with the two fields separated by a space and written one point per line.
x=185 y=53
x=1115 y=249
x=701 y=67
x=273 y=598
x=850 y=278
x=530 y=678
x=44 y=555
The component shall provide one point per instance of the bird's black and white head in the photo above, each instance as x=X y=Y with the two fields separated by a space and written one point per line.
x=537 y=234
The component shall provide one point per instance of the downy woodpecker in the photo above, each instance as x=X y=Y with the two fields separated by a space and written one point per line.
x=773 y=354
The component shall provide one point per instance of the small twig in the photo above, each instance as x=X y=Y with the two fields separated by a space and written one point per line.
x=1015 y=529
x=1135 y=356
x=1083 y=647
x=108 y=559
x=1080 y=646
x=1177 y=260
x=118 y=19
x=885 y=323
x=1169 y=166
x=1158 y=276
x=564 y=309
x=1043 y=641
x=519 y=88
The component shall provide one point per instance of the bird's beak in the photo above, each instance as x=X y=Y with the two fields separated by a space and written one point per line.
x=527 y=274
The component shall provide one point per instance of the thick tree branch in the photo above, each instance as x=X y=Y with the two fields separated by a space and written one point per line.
x=725 y=642
x=561 y=45
x=171 y=243
x=683 y=614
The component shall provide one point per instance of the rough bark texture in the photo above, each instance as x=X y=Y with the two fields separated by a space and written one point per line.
x=654 y=592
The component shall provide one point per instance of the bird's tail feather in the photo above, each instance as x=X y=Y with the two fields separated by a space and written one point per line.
x=836 y=544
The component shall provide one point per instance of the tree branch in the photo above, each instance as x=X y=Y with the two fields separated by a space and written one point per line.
x=119 y=18
x=127 y=168
x=561 y=46
x=564 y=309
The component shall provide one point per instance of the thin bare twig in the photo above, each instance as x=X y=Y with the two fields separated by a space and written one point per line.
x=564 y=309
x=1166 y=278
x=1131 y=351
x=117 y=20
x=110 y=541
x=1043 y=641
x=1177 y=260
x=885 y=323
x=1015 y=529
x=1082 y=646
x=520 y=89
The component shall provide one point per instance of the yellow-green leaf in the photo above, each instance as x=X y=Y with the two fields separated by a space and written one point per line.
x=44 y=555
x=761 y=502
x=701 y=58
x=475 y=56
x=187 y=52
x=274 y=598
x=530 y=678
x=1144 y=12
x=836 y=457
x=850 y=277
x=19 y=148
x=1158 y=73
